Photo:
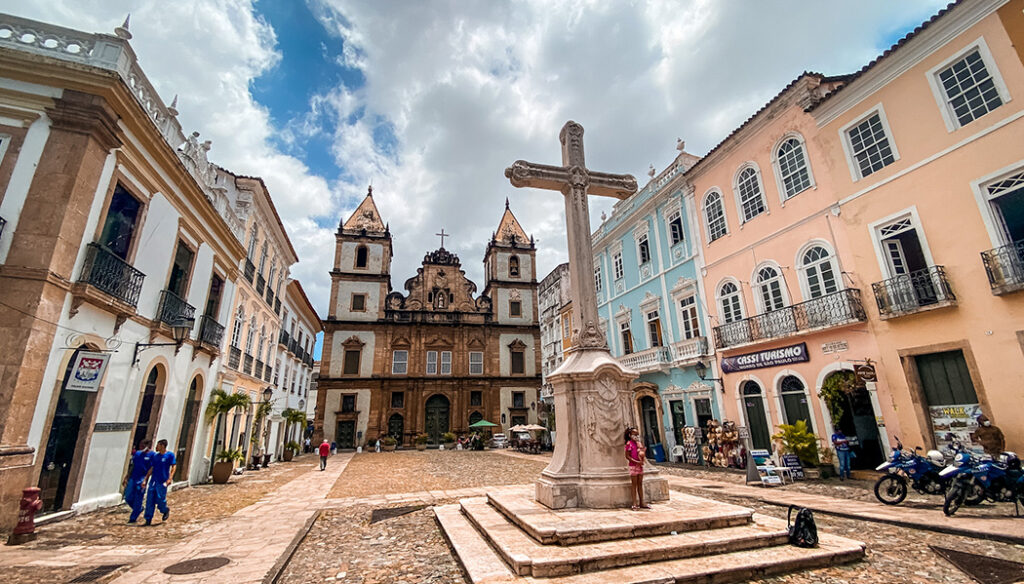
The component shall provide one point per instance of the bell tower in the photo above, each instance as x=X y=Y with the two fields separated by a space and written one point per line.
x=510 y=270
x=361 y=277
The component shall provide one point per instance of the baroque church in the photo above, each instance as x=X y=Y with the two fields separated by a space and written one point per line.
x=435 y=357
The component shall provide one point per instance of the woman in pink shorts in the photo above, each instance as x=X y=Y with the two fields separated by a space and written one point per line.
x=635 y=455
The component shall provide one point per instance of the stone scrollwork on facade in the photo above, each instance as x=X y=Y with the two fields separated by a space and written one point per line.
x=589 y=337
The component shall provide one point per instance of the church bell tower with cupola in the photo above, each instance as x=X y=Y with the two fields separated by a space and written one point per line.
x=361 y=278
x=510 y=268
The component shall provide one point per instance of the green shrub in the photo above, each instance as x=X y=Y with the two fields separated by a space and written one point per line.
x=234 y=455
x=388 y=441
x=796 y=439
x=293 y=446
x=448 y=437
x=421 y=439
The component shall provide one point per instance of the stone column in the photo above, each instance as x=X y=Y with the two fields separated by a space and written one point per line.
x=37 y=274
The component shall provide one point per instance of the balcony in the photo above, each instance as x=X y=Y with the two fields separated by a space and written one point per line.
x=250 y=270
x=689 y=351
x=247 y=364
x=258 y=371
x=654 y=359
x=292 y=346
x=211 y=332
x=270 y=297
x=110 y=274
x=282 y=338
x=267 y=373
x=173 y=309
x=1005 y=268
x=261 y=284
x=234 y=357
x=915 y=292
x=277 y=306
x=836 y=309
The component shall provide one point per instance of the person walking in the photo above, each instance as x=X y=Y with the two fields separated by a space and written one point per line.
x=307 y=448
x=325 y=451
x=989 y=437
x=635 y=456
x=842 y=446
x=135 y=482
x=159 y=480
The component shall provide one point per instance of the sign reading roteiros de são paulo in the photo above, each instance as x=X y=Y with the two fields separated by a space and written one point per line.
x=766 y=358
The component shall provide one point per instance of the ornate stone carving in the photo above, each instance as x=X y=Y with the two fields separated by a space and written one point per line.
x=590 y=337
x=442 y=257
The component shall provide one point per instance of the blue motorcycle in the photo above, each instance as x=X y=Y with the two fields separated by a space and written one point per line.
x=923 y=473
x=1001 y=481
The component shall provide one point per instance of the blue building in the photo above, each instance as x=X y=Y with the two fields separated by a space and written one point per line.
x=646 y=260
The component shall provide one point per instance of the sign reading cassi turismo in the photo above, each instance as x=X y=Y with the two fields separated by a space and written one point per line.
x=87 y=371
x=767 y=358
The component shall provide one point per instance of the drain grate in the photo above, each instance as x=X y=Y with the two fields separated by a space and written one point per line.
x=984 y=569
x=711 y=487
x=196 y=565
x=392 y=512
x=95 y=573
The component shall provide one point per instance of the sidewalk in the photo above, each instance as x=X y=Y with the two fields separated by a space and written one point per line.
x=256 y=539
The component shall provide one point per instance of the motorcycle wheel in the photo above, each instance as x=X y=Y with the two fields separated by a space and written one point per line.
x=976 y=496
x=954 y=498
x=891 y=489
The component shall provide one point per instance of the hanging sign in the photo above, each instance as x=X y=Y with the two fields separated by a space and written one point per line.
x=87 y=371
x=766 y=358
x=865 y=372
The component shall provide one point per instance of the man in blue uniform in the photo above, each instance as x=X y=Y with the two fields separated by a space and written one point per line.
x=159 y=480
x=135 y=483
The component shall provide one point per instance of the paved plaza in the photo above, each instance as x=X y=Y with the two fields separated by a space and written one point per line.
x=294 y=524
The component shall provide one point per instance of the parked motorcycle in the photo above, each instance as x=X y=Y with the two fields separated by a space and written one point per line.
x=923 y=473
x=1001 y=480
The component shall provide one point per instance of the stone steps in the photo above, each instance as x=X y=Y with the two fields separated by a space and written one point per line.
x=527 y=557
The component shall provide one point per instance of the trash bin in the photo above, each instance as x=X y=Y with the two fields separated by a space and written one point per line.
x=657 y=453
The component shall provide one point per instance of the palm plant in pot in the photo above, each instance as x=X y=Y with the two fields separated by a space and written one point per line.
x=290 y=448
x=388 y=443
x=225 y=465
x=292 y=417
x=449 y=439
x=221 y=403
x=421 y=441
x=797 y=439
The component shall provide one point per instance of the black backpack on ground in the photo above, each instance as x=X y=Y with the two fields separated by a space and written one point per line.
x=802 y=532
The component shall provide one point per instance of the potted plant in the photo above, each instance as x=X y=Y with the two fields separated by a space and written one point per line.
x=225 y=464
x=421 y=441
x=290 y=449
x=388 y=443
x=797 y=439
x=220 y=405
x=827 y=458
x=449 y=439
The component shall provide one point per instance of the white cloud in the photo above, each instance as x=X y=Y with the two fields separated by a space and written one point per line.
x=467 y=88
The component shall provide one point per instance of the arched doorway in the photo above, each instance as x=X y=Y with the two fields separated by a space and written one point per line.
x=858 y=421
x=757 y=422
x=186 y=434
x=396 y=426
x=62 y=455
x=649 y=418
x=149 y=408
x=475 y=417
x=794 y=401
x=437 y=411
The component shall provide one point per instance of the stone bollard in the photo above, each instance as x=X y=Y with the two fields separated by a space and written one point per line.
x=359 y=449
x=30 y=504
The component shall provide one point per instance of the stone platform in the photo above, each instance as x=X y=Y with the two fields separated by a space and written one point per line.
x=507 y=537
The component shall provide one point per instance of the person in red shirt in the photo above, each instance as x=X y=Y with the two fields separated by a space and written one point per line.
x=325 y=451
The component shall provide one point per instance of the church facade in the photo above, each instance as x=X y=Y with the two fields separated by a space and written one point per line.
x=436 y=357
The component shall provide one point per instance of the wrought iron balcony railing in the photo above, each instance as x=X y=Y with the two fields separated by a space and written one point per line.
x=211 y=332
x=257 y=372
x=648 y=360
x=250 y=270
x=267 y=372
x=282 y=338
x=234 y=357
x=913 y=292
x=292 y=346
x=1005 y=267
x=247 y=364
x=261 y=284
x=173 y=309
x=270 y=297
x=111 y=274
x=838 y=308
x=277 y=306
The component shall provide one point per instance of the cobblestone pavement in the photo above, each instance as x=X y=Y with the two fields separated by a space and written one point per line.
x=405 y=471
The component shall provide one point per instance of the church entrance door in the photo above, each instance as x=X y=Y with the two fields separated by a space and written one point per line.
x=437 y=415
x=345 y=434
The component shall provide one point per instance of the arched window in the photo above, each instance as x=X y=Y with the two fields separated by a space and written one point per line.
x=236 y=334
x=475 y=417
x=751 y=195
x=793 y=168
x=362 y=256
x=769 y=286
x=729 y=298
x=714 y=214
x=819 y=273
x=513 y=267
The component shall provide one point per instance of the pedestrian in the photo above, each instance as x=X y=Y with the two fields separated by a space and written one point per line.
x=376 y=445
x=325 y=451
x=305 y=447
x=989 y=437
x=135 y=482
x=635 y=456
x=334 y=448
x=842 y=446
x=159 y=480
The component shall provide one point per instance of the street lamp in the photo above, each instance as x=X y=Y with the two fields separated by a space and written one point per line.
x=702 y=371
x=180 y=330
x=269 y=391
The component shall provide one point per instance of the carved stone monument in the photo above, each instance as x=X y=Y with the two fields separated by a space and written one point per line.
x=592 y=394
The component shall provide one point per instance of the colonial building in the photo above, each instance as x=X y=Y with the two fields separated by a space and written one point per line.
x=437 y=357
x=649 y=297
x=553 y=299
x=294 y=367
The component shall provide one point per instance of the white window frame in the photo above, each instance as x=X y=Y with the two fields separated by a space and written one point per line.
x=939 y=92
x=617 y=266
x=874 y=229
x=395 y=362
x=656 y=312
x=833 y=260
x=704 y=214
x=756 y=285
x=844 y=138
x=431 y=363
x=476 y=363
x=684 y=318
x=446 y=362
x=672 y=213
x=993 y=223
x=719 y=297
x=736 y=191
x=598 y=283
x=780 y=183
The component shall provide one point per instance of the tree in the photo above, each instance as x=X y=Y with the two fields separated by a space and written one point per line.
x=221 y=403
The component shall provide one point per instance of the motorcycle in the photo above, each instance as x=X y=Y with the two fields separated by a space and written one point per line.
x=923 y=473
x=1001 y=481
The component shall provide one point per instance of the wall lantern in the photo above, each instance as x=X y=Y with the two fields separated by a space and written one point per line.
x=180 y=330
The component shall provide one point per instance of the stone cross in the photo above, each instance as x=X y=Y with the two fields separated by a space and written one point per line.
x=443 y=235
x=575 y=182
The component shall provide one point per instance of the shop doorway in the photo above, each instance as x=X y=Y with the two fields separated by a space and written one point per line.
x=345 y=434
x=649 y=419
x=149 y=408
x=63 y=444
x=702 y=409
x=678 y=419
x=950 y=396
x=438 y=410
x=757 y=422
x=187 y=434
x=860 y=424
x=794 y=401
x=396 y=427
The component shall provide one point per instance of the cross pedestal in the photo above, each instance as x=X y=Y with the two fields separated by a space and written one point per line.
x=592 y=394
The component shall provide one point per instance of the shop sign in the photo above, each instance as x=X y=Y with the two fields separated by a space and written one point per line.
x=834 y=347
x=766 y=358
x=865 y=372
x=792 y=462
x=87 y=371
x=955 y=423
